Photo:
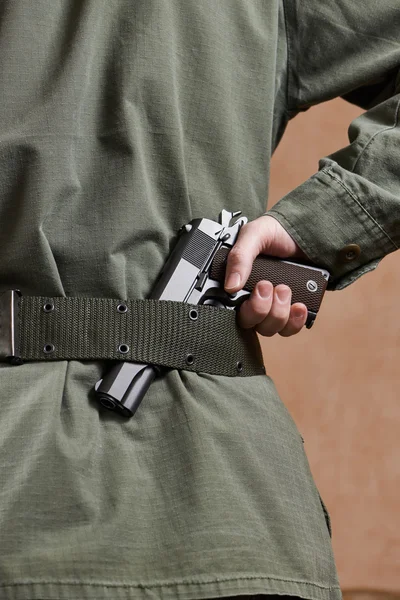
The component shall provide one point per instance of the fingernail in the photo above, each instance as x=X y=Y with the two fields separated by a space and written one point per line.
x=233 y=281
x=283 y=294
x=298 y=313
x=265 y=289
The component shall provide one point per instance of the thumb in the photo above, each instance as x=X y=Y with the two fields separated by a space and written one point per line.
x=263 y=235
x=241 y=257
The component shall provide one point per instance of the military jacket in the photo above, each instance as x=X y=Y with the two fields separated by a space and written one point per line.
x=119 y=122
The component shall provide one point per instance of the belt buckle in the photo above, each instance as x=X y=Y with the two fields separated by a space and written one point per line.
x=9 y=321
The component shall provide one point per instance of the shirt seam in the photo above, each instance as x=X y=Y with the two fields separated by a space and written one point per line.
x=372 y=138
x=288 y=109
x=171 y=583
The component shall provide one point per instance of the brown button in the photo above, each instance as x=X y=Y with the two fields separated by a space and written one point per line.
x=349 y=253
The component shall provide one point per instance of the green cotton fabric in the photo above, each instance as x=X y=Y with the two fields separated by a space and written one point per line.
x=352 y=50
x=119 y=122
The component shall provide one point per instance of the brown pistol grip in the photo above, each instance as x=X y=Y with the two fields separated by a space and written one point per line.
x=308 y=284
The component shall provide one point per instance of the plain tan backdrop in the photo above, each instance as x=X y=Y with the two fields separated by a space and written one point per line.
x=340 y=381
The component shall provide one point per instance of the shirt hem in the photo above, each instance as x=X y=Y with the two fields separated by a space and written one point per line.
x=168 y=590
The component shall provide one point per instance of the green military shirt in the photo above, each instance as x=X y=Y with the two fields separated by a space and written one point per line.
x=119 y=122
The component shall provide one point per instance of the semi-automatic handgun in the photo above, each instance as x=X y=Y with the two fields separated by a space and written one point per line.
x=194 y=273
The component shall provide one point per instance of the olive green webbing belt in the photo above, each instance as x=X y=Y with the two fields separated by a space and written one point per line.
x=161 y=332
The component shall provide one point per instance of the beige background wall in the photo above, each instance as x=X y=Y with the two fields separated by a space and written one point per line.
x=341 y=381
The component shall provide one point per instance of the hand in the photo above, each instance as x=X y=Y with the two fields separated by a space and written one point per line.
x=268 y=309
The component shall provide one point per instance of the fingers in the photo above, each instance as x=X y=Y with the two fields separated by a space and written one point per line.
x=269 y=311
x=261 y=236
x=296 y=321
x=254 y=310
x=241 y=258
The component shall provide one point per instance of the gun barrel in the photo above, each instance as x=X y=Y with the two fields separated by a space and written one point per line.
x=124 y=387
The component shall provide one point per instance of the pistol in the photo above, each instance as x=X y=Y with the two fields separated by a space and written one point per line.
x=195 y=273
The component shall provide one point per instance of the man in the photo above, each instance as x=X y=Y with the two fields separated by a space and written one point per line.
x=119 y=122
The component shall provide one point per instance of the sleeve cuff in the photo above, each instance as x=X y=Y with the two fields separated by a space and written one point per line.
x=333 y=228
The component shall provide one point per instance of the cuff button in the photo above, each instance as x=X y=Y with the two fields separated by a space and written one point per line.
x=349 y=253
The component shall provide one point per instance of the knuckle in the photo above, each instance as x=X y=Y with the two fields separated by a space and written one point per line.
x=293 y=326
x=246 y=319
x=270 y=326
x=280 y=314
x=245 y=228
x=237 y=254
x=265 y=331
x=288 y=331
x=258 y=314
x=253 y=311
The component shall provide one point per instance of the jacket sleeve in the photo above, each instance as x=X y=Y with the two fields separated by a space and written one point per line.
x=346 y=217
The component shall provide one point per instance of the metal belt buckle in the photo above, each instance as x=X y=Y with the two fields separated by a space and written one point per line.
x=9 y=334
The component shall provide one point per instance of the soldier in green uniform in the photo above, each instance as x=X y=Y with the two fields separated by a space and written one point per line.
x=120 y=121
